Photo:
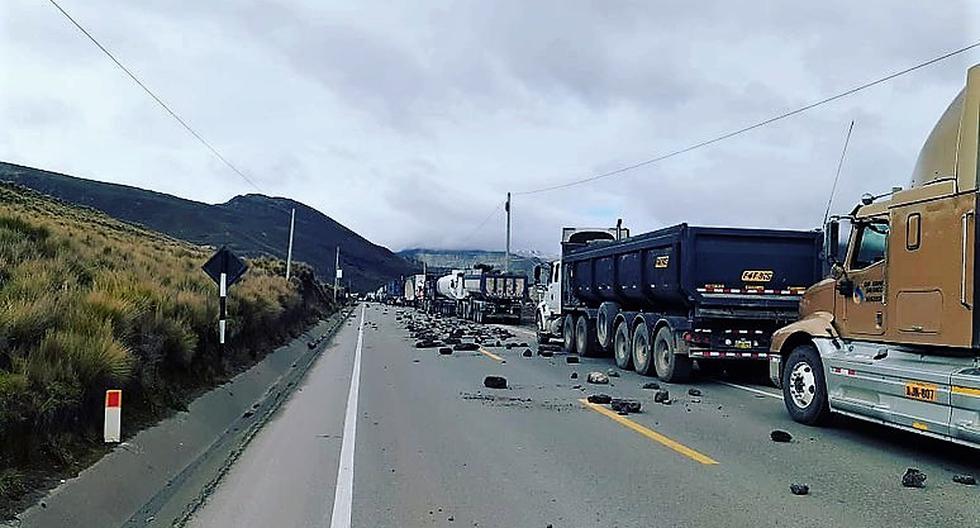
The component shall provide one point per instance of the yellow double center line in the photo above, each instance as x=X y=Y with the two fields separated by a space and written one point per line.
x=650 y=433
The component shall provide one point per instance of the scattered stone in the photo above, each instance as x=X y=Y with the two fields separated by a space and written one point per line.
x=597 y=378
x=662 y=396
x=799 y=489
x=612 y=373
x=423 y=343
x=495 y=382
x=546 y=353
x=446 y=350
x=780 y=436
x=577 y=387
x=527 y=353
x=625 y=405
x=549 y=346
x=248 y=414
x=311 y=345
x=652 y=385
x=694 y=392
x=913 y=478
x=969 y=480
x=466 y=346
x=574 y=375
x=415 y=361
x=571 y=359
x=601 y=399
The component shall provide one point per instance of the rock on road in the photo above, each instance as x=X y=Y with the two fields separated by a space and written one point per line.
x=434 y=447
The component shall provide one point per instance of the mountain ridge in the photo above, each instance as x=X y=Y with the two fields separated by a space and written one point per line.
x=252 y=224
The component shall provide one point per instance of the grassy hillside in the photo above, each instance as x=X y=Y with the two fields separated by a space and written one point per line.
x=89 y=303
x=252 y=225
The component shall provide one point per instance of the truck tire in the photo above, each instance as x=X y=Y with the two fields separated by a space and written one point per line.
x=568 y=334
x=670 y=365
x=604 y=330
x=585 y=343
x=642 y=351
x=623 y=346
x=805 y=387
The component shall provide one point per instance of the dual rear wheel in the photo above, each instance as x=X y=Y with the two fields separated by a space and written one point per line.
x=578 y=336
x=650 y=357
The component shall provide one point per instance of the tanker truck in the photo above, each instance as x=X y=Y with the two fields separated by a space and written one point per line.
x=660 y=300
x=893 y=336
x=482 y=294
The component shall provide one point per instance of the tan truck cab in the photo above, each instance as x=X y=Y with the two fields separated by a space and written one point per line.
x=893 y=335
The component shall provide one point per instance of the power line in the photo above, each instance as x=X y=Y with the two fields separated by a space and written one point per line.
x=754 y=126
x=160 y=102
x=496 y=210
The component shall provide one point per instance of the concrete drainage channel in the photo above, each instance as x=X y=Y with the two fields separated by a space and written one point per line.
x=174 y=505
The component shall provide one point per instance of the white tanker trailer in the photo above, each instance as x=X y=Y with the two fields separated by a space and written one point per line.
x=481 y=294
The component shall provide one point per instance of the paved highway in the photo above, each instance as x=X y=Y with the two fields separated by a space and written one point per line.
x=416 y=440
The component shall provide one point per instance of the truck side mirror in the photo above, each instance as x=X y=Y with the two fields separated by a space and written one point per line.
x=845 y=287
x=832 y=241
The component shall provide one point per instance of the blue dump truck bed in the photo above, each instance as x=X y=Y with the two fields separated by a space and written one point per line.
x=708 y=270
x=660 y=299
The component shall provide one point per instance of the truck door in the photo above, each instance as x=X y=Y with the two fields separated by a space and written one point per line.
x=864 y=313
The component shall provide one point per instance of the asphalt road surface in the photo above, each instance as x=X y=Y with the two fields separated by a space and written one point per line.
x=416 y=440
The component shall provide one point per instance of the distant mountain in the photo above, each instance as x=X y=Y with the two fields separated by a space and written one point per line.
x=252 y=224
x=466 y=258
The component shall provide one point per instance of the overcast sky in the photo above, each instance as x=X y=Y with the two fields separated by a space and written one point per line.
x=408 y=121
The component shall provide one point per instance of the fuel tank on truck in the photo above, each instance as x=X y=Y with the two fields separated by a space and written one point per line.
x=685 y=265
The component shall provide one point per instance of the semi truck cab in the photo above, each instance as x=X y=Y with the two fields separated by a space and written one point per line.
x=548 y=313
x=893 y=335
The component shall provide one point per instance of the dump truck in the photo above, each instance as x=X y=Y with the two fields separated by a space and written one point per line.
x=660 y=300
x=893 y=335
x=482 y=294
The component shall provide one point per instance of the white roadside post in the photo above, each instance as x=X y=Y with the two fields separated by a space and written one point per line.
x=222 y=303
x=113 y=416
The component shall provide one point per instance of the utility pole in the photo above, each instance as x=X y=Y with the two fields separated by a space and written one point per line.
x=507 y=256
x=336 y=275
x=289 y=252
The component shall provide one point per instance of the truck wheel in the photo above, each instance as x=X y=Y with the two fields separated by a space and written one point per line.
x=585 y=343
x=568 y=334
x=622 y=348
x=604 y=324
x=804 y=386
x=670 y=365
x=642 y=356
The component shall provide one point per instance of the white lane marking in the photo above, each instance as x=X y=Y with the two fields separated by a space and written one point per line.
x=343 y=497
x=750 y=389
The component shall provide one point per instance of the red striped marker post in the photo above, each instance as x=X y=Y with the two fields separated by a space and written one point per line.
x=113 y=415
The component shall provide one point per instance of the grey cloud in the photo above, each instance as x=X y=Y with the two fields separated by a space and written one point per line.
x=408 y=122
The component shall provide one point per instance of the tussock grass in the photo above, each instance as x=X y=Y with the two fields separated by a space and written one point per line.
x=89 y=303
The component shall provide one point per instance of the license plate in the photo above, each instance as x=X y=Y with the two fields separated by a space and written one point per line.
x=743 y=344
x=920 y=391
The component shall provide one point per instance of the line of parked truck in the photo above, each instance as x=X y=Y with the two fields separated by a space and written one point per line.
x=891 y=335
x=480 y=294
